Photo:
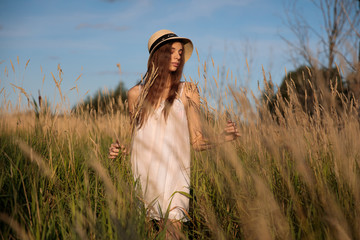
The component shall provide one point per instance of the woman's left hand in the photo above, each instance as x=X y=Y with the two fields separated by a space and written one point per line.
x=116 y=148
x=230 y=132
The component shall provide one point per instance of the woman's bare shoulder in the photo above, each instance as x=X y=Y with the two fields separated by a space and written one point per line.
x=134 y=92
x=190 y=89
x=190 y=93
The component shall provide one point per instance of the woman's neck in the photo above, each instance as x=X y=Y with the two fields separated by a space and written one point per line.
x=166 y=89
x=168 y=82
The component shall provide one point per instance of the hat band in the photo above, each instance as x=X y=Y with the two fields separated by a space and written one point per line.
x=161 y=39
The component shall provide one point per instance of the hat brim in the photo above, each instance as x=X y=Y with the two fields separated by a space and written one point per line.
x=188 y=46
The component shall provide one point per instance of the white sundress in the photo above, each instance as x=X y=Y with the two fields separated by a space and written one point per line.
x=160 y=159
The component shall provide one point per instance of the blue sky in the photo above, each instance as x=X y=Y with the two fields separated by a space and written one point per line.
x=90 y=37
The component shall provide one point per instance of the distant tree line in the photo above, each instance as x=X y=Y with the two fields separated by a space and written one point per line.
x=309 y=86
x=104 y=102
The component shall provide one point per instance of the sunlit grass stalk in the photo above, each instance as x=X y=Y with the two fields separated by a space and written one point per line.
x=290 y=175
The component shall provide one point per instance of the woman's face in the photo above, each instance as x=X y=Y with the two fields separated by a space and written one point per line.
x=176 y=55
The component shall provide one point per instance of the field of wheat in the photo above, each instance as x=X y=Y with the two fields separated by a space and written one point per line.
x=290 y=175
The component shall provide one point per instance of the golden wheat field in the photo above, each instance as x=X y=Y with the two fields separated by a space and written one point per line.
x=290 y=175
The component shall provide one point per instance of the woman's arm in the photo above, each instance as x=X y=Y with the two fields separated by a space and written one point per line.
x=116 y=147
x=132 y=97
x=197 y=139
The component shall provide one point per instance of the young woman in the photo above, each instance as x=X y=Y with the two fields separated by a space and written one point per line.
x=165 y=112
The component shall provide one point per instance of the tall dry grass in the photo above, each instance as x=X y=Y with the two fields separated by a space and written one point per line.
x=289 y=175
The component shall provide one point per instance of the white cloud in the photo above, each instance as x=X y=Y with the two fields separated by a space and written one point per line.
x=128 y=15
x=15 y=31
x=102 y=26
x=208 y=7
x=55 y=44
x=195 y=9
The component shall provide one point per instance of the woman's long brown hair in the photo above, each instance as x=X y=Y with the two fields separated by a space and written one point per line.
x=160 y=60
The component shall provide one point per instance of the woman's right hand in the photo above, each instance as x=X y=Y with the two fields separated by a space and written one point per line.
x=115 y=149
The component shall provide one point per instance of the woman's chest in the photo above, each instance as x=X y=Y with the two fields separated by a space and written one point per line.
x=176 y=111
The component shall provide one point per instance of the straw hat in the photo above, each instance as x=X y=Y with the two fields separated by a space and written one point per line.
x=162 y=36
